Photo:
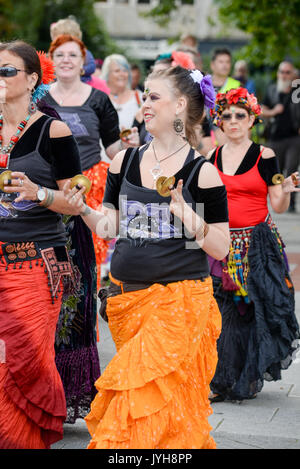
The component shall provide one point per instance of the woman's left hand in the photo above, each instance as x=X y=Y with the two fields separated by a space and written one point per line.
x=177 y=204
x=133 y=140
x=21 y=184
x=290 y=183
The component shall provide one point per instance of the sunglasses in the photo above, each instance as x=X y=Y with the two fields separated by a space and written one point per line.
x=10 y=71
x=238 y=115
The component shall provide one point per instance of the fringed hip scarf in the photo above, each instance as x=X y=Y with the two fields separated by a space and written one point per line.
x=235 y=267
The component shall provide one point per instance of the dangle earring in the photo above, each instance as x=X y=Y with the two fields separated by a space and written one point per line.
x=178 y=127
x=32 y=105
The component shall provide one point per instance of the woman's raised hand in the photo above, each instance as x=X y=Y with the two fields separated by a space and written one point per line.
x=290 y=183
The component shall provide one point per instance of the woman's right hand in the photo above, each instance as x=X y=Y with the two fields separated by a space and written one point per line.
x=74 y=199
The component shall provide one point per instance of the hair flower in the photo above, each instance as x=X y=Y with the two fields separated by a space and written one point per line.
x=183 y=60
x=48 y=77
x=206 y=87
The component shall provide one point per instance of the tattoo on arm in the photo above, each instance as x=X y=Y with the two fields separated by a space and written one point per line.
x=87 y=210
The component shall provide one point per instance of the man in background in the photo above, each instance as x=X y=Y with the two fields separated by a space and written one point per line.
x=283 y=122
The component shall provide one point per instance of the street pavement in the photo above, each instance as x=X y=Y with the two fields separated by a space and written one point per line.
x=272 y=420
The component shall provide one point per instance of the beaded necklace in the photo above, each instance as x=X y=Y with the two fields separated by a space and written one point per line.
x=6 y=150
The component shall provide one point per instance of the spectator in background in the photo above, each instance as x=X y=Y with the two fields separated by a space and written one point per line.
x=283 y=127
x=189 y=40
x=220 y=66
x=136 y=78
x=241 y=73
x=71 y=27
x=127 y=102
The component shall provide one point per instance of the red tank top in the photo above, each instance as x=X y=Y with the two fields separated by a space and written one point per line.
x=247 y=196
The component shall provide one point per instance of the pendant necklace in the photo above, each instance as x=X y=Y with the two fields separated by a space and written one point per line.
x=5 y=150
x=156 y=172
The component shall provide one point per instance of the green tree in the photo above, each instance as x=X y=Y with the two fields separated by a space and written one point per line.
x=30 y=20
x=273 y=27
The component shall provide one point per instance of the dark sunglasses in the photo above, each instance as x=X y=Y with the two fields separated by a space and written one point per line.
x=9 y=71
x=239 y=116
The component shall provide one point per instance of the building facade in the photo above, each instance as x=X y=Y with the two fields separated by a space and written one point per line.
x=145 y=39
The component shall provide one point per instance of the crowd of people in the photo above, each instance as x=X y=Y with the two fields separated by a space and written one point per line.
x=200 y=302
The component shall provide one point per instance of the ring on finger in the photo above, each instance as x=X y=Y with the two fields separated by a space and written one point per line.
x=21 y=182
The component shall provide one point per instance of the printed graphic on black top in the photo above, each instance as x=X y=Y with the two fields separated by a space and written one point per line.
x=9 y=208
x=75 y=124
x=146 y=221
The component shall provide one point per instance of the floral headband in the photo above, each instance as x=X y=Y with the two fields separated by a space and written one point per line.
x=48 y=77
x=235 y=96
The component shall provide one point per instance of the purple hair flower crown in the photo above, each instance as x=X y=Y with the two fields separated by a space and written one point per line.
x=206 y=87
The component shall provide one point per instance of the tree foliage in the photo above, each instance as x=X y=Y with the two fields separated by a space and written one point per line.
x=30 y=20
x=273 y=27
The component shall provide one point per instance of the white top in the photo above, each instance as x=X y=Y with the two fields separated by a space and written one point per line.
x=127 y=111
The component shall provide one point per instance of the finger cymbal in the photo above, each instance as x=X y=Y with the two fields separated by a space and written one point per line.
x=163 y=184
x=278 y=178
x=3 y=176
x=294 y=179
x=124 y=134
x=82 y=181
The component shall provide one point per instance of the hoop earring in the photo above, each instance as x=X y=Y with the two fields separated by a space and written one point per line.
x=178 y=126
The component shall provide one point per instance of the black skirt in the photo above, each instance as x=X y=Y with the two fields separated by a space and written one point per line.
x=259 y=339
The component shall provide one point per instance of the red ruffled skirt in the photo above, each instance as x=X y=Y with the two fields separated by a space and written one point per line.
x=32 y=400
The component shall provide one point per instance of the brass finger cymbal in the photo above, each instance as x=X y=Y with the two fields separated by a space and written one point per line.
x=294 y=179
x=82 y=181
x=278 y=178
x=163 y=184
x=124 y=134
x=3 y=176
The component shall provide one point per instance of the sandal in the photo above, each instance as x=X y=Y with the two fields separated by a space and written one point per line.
x=216 y=397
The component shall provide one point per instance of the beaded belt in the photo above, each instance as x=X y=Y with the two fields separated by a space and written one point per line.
x=235 y=267
x=55 y=260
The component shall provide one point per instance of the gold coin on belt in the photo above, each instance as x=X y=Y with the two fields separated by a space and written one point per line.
x=278 y=178
x=163 y=185
x=124 y=134
x=3 y=176
x=82 y=181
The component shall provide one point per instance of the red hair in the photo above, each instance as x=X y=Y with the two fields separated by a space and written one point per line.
x=62 y=39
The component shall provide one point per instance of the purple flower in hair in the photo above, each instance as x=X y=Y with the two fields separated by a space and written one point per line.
x=206 y=87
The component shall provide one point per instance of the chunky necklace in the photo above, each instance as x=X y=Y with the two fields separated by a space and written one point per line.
x=6 y=150
x=157 y=171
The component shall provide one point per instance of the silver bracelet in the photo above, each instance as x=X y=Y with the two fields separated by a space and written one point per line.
x=49 y=199
x=121 y=145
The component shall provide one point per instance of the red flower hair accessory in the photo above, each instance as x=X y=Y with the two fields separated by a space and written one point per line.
x=235 y=96
x=48 y=76
x=183 y=60
x=47 y=67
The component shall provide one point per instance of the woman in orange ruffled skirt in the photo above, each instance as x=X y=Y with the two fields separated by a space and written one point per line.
x=160 y=305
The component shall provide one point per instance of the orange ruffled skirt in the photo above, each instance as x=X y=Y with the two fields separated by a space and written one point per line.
x=97 y=175
x=154 y=392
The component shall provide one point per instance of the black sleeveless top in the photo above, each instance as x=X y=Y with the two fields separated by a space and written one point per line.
x=153 y=245
x=27 y=220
